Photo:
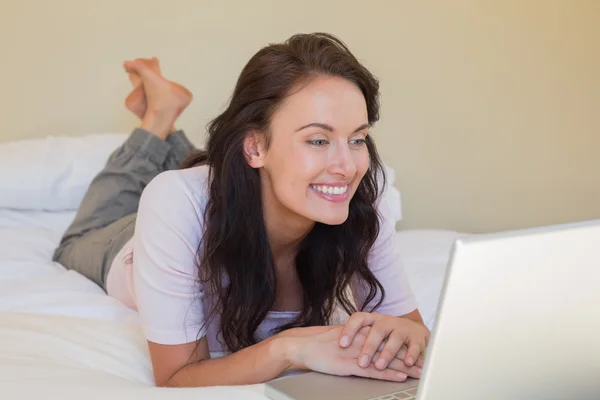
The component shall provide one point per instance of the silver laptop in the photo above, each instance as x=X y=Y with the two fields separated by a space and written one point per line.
x=519 y=318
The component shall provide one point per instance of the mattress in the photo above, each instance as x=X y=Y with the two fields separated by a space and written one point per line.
x=60 y=334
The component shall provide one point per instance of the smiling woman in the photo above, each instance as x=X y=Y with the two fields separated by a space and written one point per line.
x=304 y=166
x=250 y=246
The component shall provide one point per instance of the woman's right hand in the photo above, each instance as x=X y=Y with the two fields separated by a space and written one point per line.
x=318 y=349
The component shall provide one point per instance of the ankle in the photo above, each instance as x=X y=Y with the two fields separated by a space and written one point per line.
x=160 y=126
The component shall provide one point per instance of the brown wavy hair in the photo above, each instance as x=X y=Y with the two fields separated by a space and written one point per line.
x=234 y=256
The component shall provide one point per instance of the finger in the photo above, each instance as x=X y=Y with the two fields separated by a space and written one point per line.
x=399 y=366
x=385 y=375
x=377 y=334
x=354 y=324
x=401 y=355
x=359 y=341
x=420 y=361
x=394 y=343
x=381 y=346
x=413 y=353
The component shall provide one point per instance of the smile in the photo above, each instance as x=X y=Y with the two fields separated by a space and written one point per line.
x=331 y=193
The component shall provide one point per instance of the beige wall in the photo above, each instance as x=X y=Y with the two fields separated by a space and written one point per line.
x=490 y=109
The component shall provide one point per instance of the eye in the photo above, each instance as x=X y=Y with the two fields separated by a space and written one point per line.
x=318 y=142
x=358 y=142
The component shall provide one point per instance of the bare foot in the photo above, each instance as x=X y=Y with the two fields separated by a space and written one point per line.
x=136 y=100
x=165 y=100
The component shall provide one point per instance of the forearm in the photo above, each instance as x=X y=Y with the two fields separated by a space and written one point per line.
x=259 y=363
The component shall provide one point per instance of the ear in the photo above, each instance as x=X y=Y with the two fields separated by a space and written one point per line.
x=254 y=149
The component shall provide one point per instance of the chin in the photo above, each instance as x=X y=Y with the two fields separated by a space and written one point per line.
x=332 y=219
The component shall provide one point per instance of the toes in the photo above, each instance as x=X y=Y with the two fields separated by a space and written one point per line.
x=154 y=64
x=135 y=79
x=146 y=74
x=151 y=63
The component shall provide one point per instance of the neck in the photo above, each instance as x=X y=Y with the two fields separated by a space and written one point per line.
x=285 y=236
x=285 y=230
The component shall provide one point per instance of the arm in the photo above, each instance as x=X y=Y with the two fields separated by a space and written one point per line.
x=255 y=364
x=311 y=348
x=260 y=363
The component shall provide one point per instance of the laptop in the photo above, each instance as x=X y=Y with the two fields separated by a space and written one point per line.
x=518 y=318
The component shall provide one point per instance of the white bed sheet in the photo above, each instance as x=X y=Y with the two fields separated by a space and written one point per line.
x=61 y=332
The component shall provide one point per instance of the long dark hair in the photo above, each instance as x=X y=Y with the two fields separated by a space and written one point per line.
x=234 y=256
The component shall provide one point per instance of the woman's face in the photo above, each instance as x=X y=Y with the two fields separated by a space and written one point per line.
x=317 y=154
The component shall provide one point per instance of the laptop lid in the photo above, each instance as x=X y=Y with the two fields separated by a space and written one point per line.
x=519 y=317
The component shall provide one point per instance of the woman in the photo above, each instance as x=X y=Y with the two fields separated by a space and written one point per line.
x=249 y=247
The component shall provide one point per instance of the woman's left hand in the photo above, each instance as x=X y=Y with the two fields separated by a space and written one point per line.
x=393 y=336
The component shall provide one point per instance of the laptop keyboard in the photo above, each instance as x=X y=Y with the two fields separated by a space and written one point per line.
x=408 y=394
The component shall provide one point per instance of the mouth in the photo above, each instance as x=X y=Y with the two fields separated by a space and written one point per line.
x=333 y=193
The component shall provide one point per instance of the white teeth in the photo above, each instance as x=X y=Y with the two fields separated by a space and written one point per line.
x=330 y=189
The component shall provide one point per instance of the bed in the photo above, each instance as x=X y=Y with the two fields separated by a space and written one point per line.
x=60 y=334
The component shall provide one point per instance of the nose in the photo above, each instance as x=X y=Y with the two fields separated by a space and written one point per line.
x=341 y=161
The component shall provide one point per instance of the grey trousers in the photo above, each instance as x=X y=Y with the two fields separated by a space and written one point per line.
x=105 y=220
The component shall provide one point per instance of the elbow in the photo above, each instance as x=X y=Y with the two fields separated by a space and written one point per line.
x=182 y=378
x=173 y=381
x=166 y=383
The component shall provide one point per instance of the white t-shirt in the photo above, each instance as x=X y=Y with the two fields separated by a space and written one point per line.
x=156 y=272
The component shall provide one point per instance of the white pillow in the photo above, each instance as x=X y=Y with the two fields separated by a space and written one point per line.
x=54 y=172
x=391 y=194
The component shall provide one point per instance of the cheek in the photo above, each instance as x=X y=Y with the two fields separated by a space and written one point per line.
x=292 y=173
x=362 y=161
x=302 y=168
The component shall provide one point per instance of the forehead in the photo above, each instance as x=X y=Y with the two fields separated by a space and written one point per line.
x=331 y=100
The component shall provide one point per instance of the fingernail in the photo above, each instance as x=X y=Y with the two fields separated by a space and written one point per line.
x=345 y=341
x=400 y=375
x=419 y=371
x=381 y=363
x=364 y=361
x=409 y=360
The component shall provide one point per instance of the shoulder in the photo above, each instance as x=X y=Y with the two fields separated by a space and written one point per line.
x=171 y=209
x=192 y=180
x=178 y=187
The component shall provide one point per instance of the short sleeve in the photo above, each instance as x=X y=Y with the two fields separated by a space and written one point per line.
x=165 y=280
x=385 y=263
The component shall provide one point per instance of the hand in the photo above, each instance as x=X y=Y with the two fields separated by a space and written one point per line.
x=394 y=337
x=317 y=349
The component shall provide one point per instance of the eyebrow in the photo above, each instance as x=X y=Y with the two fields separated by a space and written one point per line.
x=329 y=127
